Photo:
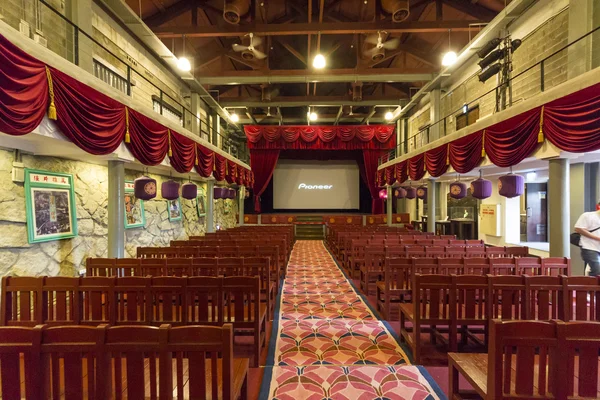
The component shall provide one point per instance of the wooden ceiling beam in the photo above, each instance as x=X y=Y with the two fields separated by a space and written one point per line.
x=159 y=4
x=406 y=48
x=169 y=13
x=236 y=57
x=472 y=9
x=326 y=28
x=292 y=50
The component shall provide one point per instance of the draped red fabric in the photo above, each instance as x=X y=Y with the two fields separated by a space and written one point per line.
x=220 y=167
x=370 y=160
x=183 y=150
x=149 y=139
x=511 y=141
x=572 y=123
x=23 y=92
x=436 y=160
x=231 y=171
x=390 y=175
x=263 y=164
x=465 y=153
x=416 y=167
x=206 y=161
x=401 y=172
x=320 y=137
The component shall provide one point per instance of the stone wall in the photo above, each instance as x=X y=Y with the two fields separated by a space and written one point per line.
x=66 y=257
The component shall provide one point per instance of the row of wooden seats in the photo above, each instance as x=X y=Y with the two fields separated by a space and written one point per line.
x=134 y=362
x=460 y=303
x=260 y=232
x=531 y=360
x=197 y=266
x=396 y=279
x=202 y=300
x=287 y=243
x=335 y=236
x=344 y=243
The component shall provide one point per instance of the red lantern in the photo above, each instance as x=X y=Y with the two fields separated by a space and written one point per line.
x=169 y=190
x=144 y=188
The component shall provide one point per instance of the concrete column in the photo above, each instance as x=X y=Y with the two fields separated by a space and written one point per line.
x=195 y=101
x=581 y=18
x=443 y=200
x=431 y=197
x=435 y=130
x=558 y=207
x=389 y=202
x=210 y=206
x=241 y=193
x=116 y=209
x=80 y=13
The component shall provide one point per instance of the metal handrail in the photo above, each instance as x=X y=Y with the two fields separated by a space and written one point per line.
x=392 y=154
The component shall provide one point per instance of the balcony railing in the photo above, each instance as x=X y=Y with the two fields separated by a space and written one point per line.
x=574 y=59
x=41 y=18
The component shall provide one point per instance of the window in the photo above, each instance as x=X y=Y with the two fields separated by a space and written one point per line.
x=468 y=118
x=168 y=111
x=110 y=76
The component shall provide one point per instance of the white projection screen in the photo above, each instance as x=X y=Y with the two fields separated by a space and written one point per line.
x=316 y=185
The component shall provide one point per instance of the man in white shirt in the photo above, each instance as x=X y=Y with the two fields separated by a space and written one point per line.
x=588 y=226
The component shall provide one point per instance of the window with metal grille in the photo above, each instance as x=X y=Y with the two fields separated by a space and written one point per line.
x=168 y=111
x=109 y=76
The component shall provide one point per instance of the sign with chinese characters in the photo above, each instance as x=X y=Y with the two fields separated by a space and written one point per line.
x=490 y=219
x=50 y=206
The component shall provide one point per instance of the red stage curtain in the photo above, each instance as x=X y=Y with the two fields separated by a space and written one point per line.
x=416 y=167
x=371 y=159
x=23 y=90
x=572 y=123
x=401 y=172
x=220 y=167
x=465 y=153
x=206 y=161
x=88 y=118
x=436 y=160
x=149 y=139
x=263 y=164
x=320 y=137
x=183 y=153
x=511 y=141
x=231 y=171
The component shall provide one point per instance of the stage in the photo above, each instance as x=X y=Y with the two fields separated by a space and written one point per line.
x=324 y=218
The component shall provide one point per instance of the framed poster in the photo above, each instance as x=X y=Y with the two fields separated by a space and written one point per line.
x=174 y=209
x=201 y=201
x=135 y=215
x=50 y=206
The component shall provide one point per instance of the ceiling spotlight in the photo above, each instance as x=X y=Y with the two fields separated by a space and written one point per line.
x=389 y=116
x=234 y=117
x=449 y=59
x=531 y=176
x=184 y=64
x=312 y=116
x=319 y=61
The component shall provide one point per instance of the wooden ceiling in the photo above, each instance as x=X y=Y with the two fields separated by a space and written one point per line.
x=281 y=87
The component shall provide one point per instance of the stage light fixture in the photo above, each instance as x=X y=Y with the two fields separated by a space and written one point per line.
x=489 y=46
x=491 y=58
x=531 y=176
x=489 y=72
x=389 y=116
x=319 y=61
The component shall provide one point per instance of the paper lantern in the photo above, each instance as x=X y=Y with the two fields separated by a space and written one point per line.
x=231 y=193
x=481 y=188
x=219 y=193
x=458 y=190
x=511 y=185
x=144 y=188
x=189 y=191
x=399 y=193
x=422 y=192
x=411 y=193
x=383 y=194
x=169 y=190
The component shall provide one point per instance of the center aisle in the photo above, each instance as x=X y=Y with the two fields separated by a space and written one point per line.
x=328 y=344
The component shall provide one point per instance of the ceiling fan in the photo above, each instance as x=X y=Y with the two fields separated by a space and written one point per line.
x=377 y=53
x=250 y=52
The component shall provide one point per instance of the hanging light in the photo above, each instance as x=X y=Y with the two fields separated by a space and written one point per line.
x=312 y=115
x=234 y=117
x=450 y=57
x=182 y=62
x=319 y=61
x=389 y=116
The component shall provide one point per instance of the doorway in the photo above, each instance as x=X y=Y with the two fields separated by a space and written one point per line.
x=536 y=213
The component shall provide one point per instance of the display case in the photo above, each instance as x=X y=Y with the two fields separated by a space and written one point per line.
x=465 y=213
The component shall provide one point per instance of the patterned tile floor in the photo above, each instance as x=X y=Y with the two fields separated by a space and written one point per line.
x=328 y=344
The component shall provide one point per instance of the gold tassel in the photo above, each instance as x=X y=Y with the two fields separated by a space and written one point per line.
x=541 y=132
x=483 y=144
x=52 y=106
x=214 y=162
x=196 y=149
x=170 y=150
x=127 y=136
x=448 y=155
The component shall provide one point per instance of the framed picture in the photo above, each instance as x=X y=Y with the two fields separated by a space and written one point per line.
x=135 y=215
x=201 y=202
x=174 y=209
x=50 y=206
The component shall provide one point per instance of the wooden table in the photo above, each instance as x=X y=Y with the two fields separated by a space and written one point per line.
x=444 y=227
x=457 y=227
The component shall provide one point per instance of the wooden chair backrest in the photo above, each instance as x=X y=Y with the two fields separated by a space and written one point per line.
x=476 y=265
x=209 y=251
x=179 y=266
x=415 y=251
x=374 y=258
x=450 y=266
x=435 y=251
x=21 y=301
x=132 y=297
x=153 y=267
x=424 y=266
x=398 y=273
x=456 y=242
x=528 y=266
x=100 y=266
x=439 y=242
x=578 y=367
x=545 y=297
x=517 y=251
x=204 y=300
x=128 y=267
x=167 y=296
x=471 y=293
x=555 y=266
x=581 y=298
x=61 y=298
x=507 y=300
x=455 y=251
x=20 y=374
x=187 y=252
x=493 y=251
x=97 y=300
x=531 y=346
x=474 y=242
x=230 y=266
x=258 y=266
x=204 y=266
x=432 y=300
x=475 y=251
x=241 y=301
x=502 y=266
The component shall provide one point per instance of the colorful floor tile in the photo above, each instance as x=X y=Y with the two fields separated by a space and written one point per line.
x=328 y=344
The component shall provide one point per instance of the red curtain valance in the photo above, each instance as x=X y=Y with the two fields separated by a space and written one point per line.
x=571 y=123
x=359 y=137
x=95 y=122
